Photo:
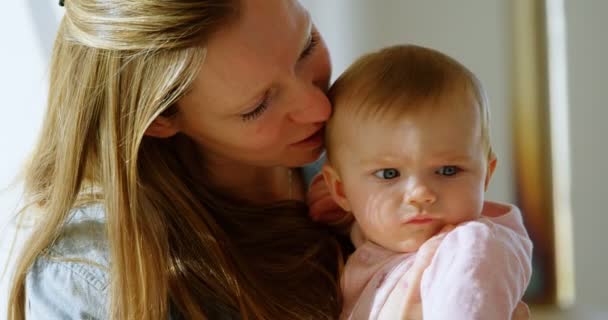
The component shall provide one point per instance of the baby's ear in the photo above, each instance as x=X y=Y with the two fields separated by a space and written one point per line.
x=492 y=161
x=335 y=186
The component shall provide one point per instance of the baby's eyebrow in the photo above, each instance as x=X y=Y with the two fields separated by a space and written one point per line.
x=451 y=157
x=381 y=160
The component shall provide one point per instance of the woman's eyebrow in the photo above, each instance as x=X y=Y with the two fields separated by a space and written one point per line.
x=308 y=35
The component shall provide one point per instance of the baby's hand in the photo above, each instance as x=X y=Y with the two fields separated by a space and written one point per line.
x=321 y=206
x=427 y=251
x=404 y=301
x=521 y=312
x=424 y=256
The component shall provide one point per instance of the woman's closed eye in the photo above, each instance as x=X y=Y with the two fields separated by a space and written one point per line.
x=313 y=40
x=448 y=171
x=258 y=111
x=263 y=105
x=387 y=174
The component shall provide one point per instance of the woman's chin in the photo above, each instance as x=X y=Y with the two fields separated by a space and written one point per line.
x=303 y=158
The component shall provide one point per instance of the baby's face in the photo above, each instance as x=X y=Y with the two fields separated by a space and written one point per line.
x=407 y=179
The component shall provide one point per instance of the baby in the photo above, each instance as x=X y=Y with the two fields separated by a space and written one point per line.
x=409 y=155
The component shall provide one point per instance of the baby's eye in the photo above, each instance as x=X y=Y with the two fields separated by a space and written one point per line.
x=387 y=173
x=448 y=170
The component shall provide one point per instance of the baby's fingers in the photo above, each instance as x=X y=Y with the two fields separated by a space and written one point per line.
x=521 y=312
x=447 y=228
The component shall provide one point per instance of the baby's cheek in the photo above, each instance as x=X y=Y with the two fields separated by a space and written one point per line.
x=465 y=206
x=374 y=226
x=385 y=216
x=369 y=222
x=375 y=209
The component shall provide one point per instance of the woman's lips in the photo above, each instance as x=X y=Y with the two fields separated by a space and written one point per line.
x=314 y=140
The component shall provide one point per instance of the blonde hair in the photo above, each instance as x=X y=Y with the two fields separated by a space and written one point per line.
x=116 y=66
x=398 y=80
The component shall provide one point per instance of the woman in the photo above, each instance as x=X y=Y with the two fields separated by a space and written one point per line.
x=162 y=174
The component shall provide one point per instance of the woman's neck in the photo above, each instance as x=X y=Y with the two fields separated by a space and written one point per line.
x=254 y=183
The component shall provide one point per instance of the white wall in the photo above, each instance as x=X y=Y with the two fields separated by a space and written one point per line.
x=27 y=29
x=588 y=67
x=27 y=33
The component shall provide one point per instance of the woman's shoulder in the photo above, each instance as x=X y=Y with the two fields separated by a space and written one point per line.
x=83 y=237
x=70 y=279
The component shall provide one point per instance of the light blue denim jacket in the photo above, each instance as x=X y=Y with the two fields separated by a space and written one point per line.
x=62 y=284
x=71 y=281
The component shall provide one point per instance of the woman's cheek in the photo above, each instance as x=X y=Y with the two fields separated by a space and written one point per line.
x=267 y=138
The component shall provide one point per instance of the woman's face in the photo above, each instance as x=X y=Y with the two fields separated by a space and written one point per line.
x=260 y=96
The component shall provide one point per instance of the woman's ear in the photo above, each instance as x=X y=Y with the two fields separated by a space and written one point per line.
x=162 y=127
x=492 y=161
x=335 y=186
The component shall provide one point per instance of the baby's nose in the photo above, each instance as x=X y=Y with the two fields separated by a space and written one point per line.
x=419 y=194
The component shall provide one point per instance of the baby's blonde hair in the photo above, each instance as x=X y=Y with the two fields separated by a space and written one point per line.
x=399 y=80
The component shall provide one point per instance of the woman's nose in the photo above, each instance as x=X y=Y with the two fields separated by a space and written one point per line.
x=419 y=194
x=310 y=105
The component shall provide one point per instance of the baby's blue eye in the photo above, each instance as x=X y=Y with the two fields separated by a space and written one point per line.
x=448 y=170
x=387 y=173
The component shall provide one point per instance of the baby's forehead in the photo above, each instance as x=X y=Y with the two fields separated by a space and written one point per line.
x=438 y=131
x=454 y=116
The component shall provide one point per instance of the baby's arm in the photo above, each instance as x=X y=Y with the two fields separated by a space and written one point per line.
x=480 y=271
